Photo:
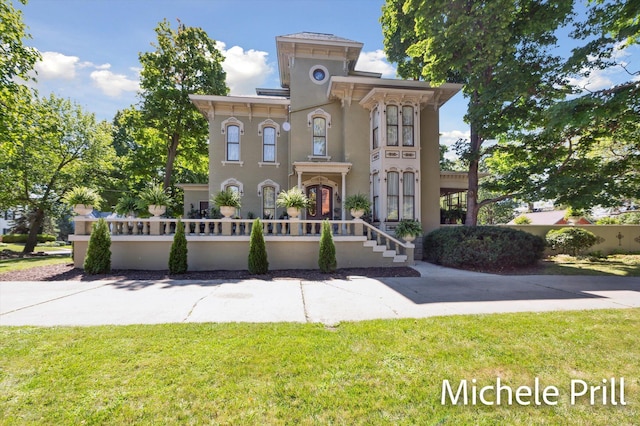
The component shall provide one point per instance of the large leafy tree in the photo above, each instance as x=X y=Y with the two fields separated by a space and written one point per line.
x=498 y=49
x=584 y=150
x=185 y=61
x=51 y=149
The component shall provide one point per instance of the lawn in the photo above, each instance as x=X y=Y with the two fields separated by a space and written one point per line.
x=10 y=265
x=368 y=373
x=615 y=264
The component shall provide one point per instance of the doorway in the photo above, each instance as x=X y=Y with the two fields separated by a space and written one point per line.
x=320 y=202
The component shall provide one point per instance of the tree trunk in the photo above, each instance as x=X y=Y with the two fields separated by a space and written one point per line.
x=472 y=193
x=36 y=224
x=172 y=151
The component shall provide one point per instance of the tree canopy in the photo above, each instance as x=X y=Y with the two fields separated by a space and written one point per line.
x=185 y=61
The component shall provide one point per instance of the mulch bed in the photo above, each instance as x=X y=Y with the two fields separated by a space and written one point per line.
x=69 y=273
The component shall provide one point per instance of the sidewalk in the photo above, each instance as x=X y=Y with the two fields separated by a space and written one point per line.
x=439 y=291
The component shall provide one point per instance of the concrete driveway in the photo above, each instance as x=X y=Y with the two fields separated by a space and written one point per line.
x=439 y=291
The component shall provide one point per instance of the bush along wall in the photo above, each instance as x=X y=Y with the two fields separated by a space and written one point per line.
x=22 y=238
x=570 y=240
x=178 y=255
x=257 y=261
x=98 y=258
x=327 y=256
x=486 y=247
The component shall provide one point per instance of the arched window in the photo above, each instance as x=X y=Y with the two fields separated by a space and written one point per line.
x=407 y=125
x=268 y=202
x=269 y=145
x=393 y=196
x=392 y=125
x=408 y=195
x=319 y=136
x=233 y=143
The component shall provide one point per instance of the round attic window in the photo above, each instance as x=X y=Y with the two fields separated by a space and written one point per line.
x=318 y=74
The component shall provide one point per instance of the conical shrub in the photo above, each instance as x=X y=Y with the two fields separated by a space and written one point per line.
x=98 y=258
x=258 y=262
x=327 y=256
x=178 y=255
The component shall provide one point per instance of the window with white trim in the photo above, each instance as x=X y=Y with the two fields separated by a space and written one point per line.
x=376 y=197
x=268 y=202
x=392 y=125
x=393 y=196
x=407 y=126
x=269 y=145
x=408 y=195
x=233 y=143
x=375 y=118
x=319 y=136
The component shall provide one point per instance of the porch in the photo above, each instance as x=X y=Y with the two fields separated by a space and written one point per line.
x=223 y=244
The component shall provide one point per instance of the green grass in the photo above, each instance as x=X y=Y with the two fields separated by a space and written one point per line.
x=40 y=247
x=12 y=265
x=366 y=373
x=616 y=264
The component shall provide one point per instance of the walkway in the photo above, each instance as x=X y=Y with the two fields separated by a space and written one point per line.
x=439 y=291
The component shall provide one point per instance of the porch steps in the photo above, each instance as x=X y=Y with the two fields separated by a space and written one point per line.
x=397 y=258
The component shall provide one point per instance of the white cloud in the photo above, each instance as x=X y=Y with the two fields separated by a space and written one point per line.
x=449 y=138
x=56 y=65
x=113 y=84
x=376 y=61
x=245 y=70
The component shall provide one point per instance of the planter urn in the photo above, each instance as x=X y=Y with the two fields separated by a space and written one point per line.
x=356 y=213
x=83 y=209
x=157 y=210
x=227 y=211
x=293 y=212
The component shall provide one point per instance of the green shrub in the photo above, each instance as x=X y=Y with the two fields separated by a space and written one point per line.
x=178 y=254
x=522 y=220
x=258 y=262
x=22 y=238
x=98 y=258
x=484 y=247
x=632 y=218
x=327 y=256
x=570 y=240
x=608 y=221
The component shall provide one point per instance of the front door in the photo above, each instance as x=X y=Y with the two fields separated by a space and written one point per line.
x=320 y=202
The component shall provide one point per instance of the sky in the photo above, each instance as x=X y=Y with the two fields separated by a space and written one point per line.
x=90 y=48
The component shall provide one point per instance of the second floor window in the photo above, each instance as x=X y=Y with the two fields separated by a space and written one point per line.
x=269 y=145
x=376 y=125
x=392 y=125
x=319 y=136
x=407 y=126
x=233 y=143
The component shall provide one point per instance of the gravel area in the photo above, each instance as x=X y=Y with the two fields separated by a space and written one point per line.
x=69 y=273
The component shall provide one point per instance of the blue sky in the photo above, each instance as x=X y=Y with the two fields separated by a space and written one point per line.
x=90 y=47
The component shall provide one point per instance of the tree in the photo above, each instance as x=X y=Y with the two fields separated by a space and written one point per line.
x=178 y=255
x=98 y=258
x=186 y=61
x=258 y=263
x=16 y=59
x=327 y=254
x=53 y=148
x=498 y=49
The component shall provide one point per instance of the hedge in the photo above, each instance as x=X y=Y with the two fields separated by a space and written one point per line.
x=22 y=238
x=570 y=240
x=482 y=247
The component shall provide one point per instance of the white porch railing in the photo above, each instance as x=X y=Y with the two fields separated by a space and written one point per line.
x=133 y=227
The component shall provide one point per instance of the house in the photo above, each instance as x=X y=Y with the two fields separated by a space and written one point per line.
x=554 y=217
x=332 y=130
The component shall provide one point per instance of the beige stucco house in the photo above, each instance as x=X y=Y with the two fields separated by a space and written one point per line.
x=332 y=130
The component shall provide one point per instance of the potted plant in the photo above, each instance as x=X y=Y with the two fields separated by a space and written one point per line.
x=155 y=199
x=357 y=205
x=573 y=215
x=83 y=200
x=408 y=229
x=228 y=201
x=294 y=200
x=127 y=206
